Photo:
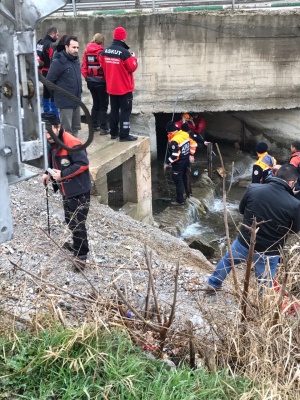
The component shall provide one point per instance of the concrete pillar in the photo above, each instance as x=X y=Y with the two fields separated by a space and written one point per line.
x=144 y=124
x=101 y=188
x=129 y=176
x=105 y=155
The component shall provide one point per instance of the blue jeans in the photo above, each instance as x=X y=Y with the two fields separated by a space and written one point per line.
x=239 y=254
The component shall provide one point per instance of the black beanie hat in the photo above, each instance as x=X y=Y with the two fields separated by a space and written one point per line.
x=261 y=147
x=185 y=127
x=171 y=127
x=51 y=118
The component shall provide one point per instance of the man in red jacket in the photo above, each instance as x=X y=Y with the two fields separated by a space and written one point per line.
x=118 y=65
x=93 y=74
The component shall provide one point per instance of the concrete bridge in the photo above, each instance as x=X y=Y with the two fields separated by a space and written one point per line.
x=240 y=69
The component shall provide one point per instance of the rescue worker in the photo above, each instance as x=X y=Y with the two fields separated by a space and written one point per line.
x=93 y=74
x=295 y=160
x=262 y=168
x=181 y=149
x=195 y=126
x=71 y=174
x=274 y=205
x=119 y=65
x=45 y=51
x=196 y=137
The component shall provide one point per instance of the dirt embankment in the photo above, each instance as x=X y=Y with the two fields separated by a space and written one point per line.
x=116 y=253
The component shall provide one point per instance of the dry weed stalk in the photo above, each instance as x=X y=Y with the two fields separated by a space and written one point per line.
x=236 y=287
x=163 y=325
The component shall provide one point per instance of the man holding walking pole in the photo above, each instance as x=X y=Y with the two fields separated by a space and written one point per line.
x=70 y=171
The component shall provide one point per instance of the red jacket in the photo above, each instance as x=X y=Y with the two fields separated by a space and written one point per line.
x=74 y=167
x=91 y=61
x=295 y=159
x=198 y=127
x=118 y=65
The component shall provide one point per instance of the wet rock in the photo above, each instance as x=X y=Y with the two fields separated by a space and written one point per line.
x=244 y=183
x=201 y=245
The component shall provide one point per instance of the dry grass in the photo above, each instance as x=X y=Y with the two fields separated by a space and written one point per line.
x=265 y=347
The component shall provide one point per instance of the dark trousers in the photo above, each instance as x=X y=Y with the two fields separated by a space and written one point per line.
x=100 y=105
x=120 y=110
x=46 y=92
x=76 y=211
x=179 y=176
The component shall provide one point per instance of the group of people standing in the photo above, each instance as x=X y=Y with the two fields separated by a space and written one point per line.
x=183 y=138
x=272 y=198
x=109 y=76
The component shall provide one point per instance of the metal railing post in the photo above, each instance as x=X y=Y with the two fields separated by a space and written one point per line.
x=74 y=8
x=153 y=5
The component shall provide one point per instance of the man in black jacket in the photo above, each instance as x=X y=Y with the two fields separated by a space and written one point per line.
x=71 y=174
x=65 y=72
x=44 y=49
x=274 y=204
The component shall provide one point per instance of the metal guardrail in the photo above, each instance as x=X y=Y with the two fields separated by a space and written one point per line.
x=121 y=6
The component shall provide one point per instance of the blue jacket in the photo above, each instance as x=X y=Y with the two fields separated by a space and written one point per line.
x=65 y=72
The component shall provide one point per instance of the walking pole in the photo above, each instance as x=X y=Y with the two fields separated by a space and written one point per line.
x=209 y=160
x=47 y=202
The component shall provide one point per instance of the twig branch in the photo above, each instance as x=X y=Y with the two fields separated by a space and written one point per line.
x=131 y=308
x=253 y=231
x=172 y=314
x=149 y=265
x=226 y=225
x=51 y=284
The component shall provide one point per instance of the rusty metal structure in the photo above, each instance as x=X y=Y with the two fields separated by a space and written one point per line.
x=22 y=140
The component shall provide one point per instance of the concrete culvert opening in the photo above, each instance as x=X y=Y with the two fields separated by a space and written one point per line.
x=241 y=129
x=237 y=134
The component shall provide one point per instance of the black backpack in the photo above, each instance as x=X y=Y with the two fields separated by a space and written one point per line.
x=39 y=48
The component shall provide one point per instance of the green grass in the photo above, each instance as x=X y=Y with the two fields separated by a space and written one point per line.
x=94 y=364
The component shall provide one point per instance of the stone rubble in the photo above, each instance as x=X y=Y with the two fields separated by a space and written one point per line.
x=117 y=255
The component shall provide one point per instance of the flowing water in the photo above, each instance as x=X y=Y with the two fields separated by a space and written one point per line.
x=210 y=226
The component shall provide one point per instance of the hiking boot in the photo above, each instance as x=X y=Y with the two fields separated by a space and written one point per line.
x=97 y=128
x=210 y=291
x=80 y=263
x=175 y=203
x=114 y=136
x=68 y=246
x=129 y=138
x=103 y=132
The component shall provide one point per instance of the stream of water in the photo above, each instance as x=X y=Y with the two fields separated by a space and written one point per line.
x=209 y=227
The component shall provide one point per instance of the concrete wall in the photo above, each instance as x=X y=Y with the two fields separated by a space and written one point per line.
x=218 y=61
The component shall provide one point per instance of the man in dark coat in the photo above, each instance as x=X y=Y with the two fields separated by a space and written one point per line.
x=65 y=72
x=275 y=206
